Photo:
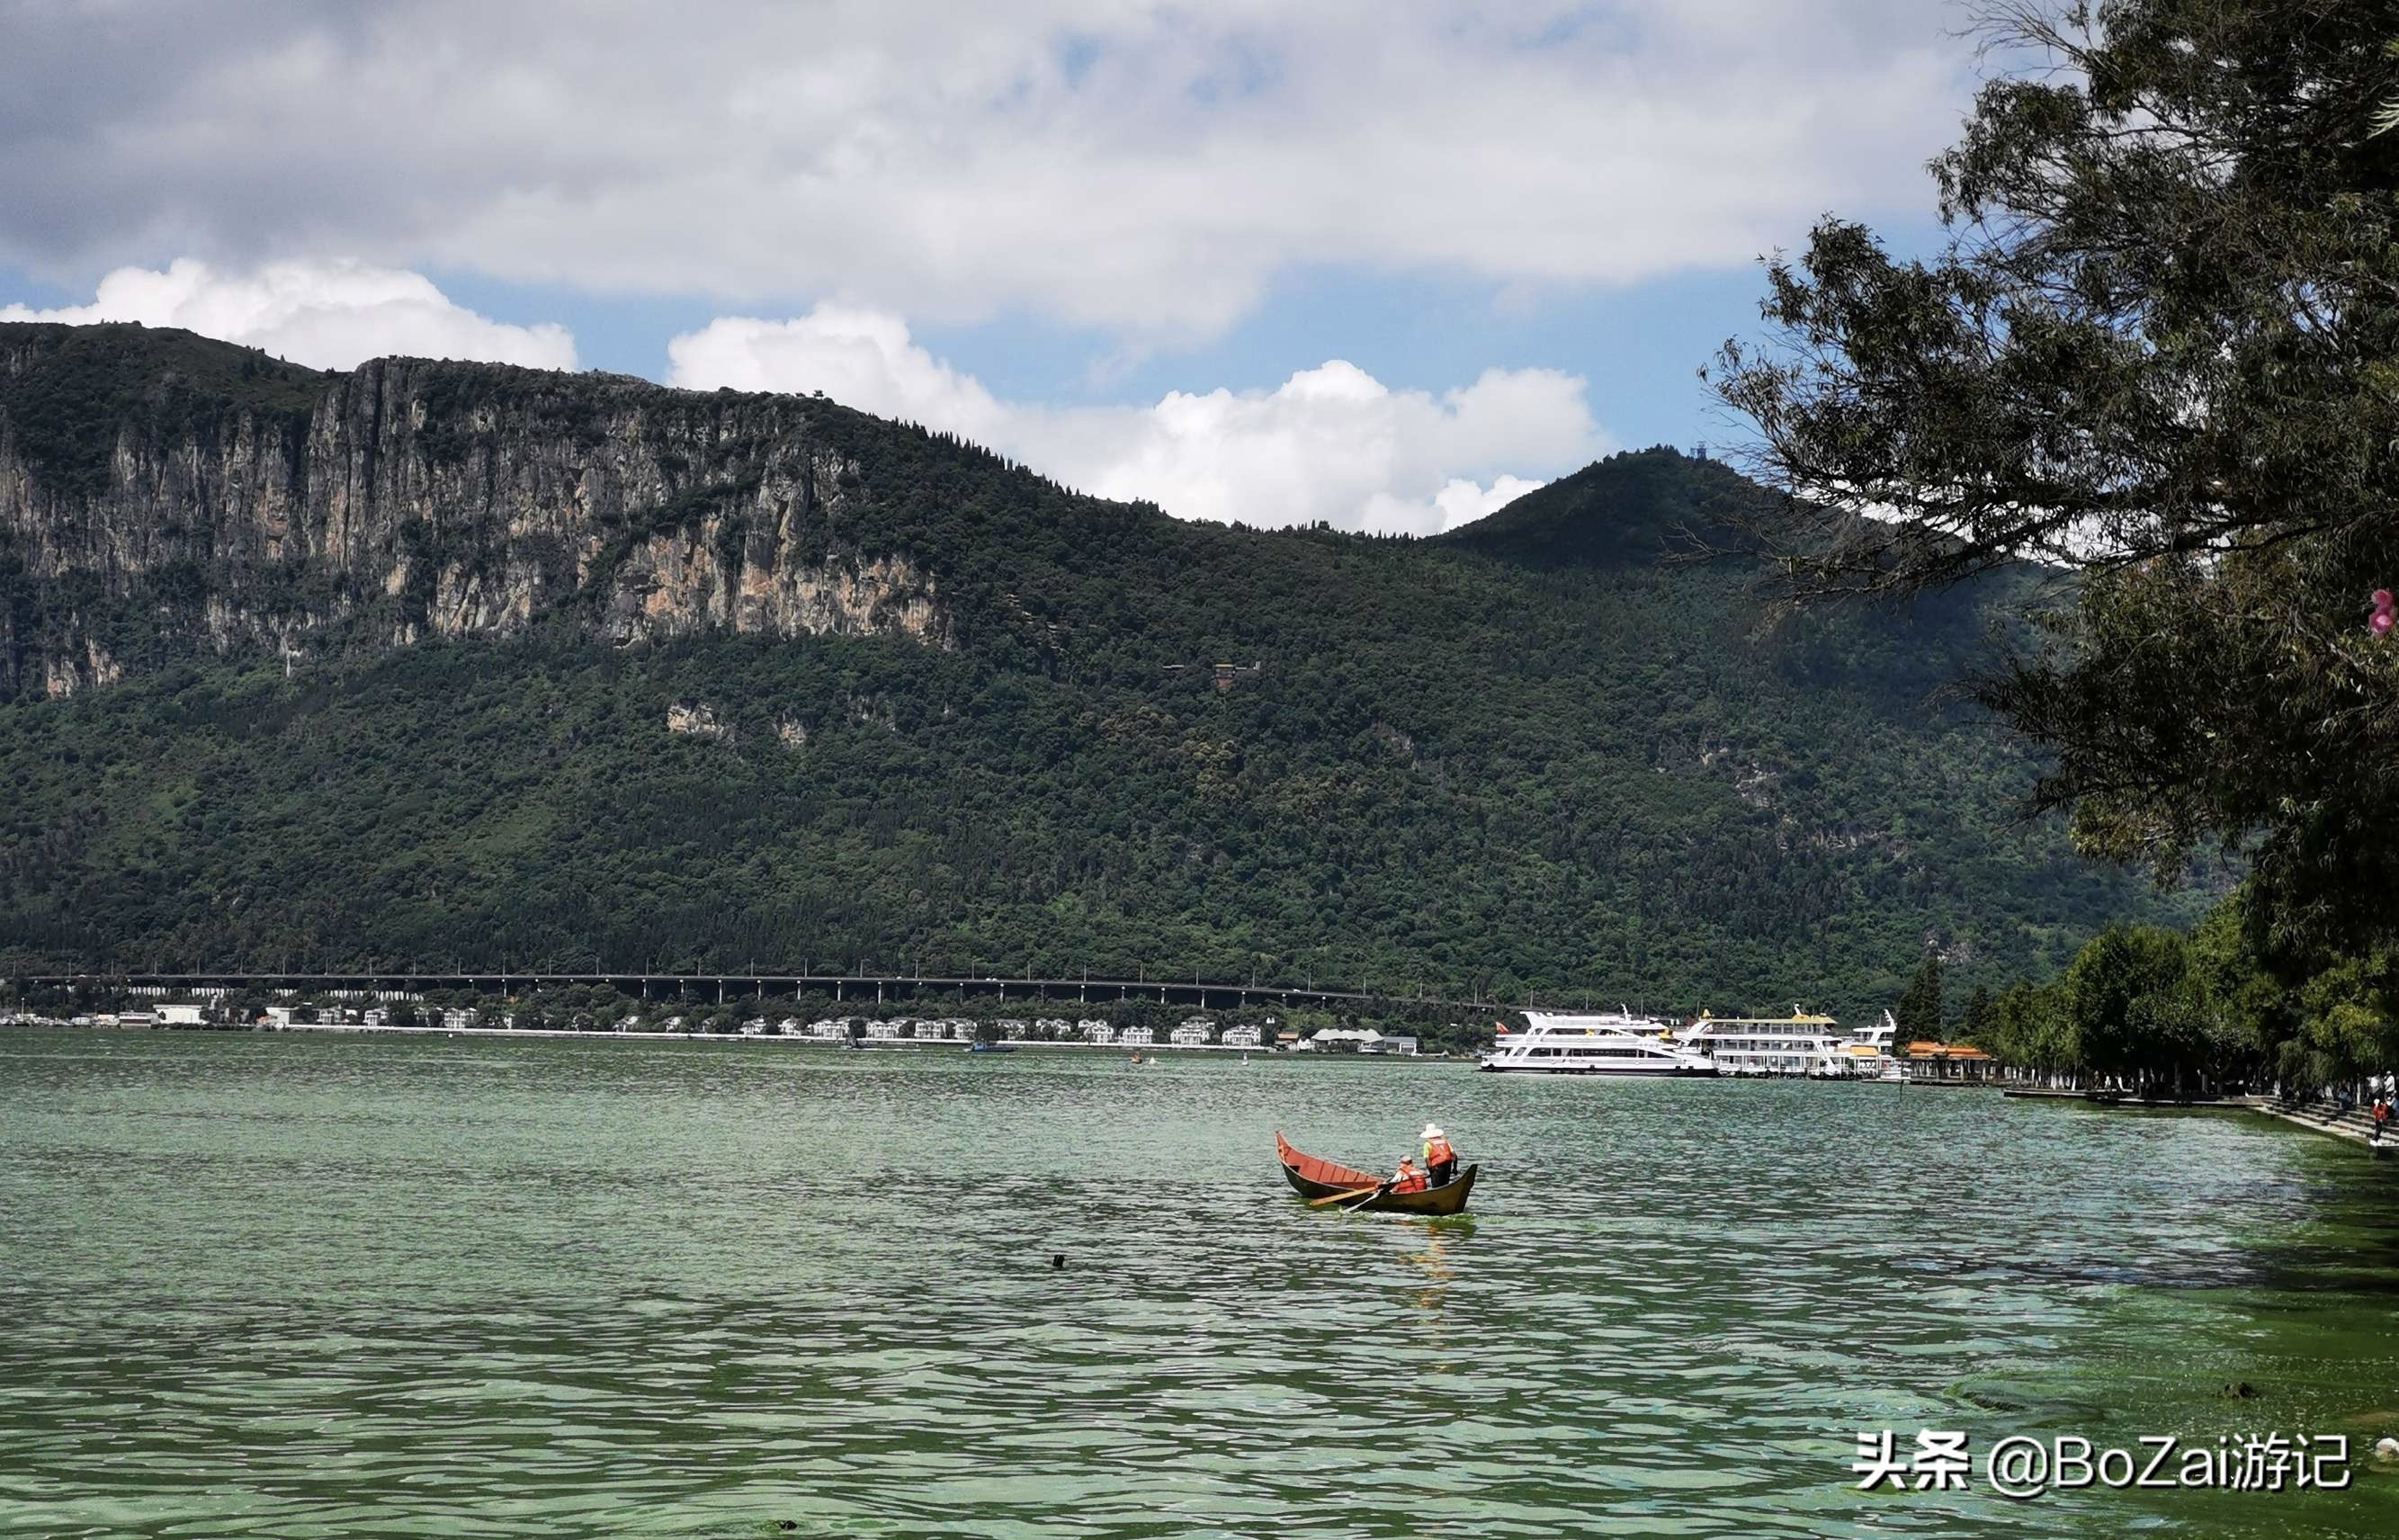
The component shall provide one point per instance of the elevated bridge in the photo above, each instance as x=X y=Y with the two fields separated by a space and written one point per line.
x=726 y=988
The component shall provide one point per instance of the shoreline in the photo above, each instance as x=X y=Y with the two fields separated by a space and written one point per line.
x=2300 y=1117
x=2312 y=1116
x=2325 y=1123
x=879 y=1044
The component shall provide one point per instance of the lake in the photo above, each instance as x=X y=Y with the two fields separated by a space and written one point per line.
x=324 y=1285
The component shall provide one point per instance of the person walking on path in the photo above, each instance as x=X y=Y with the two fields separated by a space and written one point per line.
x=2381 y=1116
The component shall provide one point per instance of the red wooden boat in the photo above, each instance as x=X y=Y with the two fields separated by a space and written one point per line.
x=1310 y=1177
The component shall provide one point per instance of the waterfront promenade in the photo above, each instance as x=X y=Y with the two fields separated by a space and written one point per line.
x=2319 y=1117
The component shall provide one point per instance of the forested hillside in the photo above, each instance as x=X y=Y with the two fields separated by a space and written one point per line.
x=438 y=663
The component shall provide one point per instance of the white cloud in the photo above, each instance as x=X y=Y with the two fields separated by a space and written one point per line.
x=329 y=315
x=859 y=358
x=1330 y=443
x=1144 y=168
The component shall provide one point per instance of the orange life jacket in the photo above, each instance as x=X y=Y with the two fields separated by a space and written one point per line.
x=1409 y=1179
x=1437 y=1150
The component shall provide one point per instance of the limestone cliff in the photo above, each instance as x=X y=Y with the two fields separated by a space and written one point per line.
x=157 y=490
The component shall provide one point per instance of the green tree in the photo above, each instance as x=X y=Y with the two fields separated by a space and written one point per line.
x=2032 y=1030
x=2159 y=351
x=1920 y=1013
x=2256 y=1010
x=2349 y=1026
x=2143 y=1014
x=1980 y=1021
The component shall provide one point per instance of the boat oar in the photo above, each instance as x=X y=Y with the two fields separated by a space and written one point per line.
x=1336 y=1197
x=1368 y=1199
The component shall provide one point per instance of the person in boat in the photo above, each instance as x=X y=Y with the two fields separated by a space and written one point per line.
x=1441 y=1161
x=1407 y=1179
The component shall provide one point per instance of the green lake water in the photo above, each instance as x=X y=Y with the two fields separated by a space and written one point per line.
x=304 y=1285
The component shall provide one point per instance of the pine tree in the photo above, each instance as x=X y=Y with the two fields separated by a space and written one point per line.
x=1979 y=1019
x=1919 y=1009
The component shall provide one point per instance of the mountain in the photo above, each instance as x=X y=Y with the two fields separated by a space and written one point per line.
x=443 y=663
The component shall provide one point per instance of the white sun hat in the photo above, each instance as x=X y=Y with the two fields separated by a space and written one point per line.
x=1433 y=1130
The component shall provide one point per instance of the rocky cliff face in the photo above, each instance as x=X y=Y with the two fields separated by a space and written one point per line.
x=410 y=499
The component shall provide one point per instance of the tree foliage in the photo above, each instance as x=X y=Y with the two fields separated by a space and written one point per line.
x=1919 y=1010
x=2156 y=1010
x=2156 y=351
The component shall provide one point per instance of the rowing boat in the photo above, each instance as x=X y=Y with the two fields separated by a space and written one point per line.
x=1310 y=1177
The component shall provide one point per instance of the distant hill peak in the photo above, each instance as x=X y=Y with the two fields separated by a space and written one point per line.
x=1633 y=507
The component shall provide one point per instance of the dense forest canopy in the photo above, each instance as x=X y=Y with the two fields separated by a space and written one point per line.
x=1534 y=755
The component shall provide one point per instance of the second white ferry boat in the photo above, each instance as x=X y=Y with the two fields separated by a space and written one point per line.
x=1801 y=1043
x=1613 y=1043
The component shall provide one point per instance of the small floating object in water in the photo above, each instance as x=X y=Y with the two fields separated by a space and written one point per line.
x=2240 y=1390
x=1058 y=1259
x=2386 y=1448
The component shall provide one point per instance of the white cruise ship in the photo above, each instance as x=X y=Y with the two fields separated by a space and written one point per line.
x=1797 y=1044
x=1614 y=1043
x=1877 y=1052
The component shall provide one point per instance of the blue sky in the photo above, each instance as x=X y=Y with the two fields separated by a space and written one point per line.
x=1383 y=265
x=1639 y=346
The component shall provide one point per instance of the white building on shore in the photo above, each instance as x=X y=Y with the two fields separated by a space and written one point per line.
x=1360 y=1040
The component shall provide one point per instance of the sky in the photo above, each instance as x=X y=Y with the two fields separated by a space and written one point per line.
x=1381 y=264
